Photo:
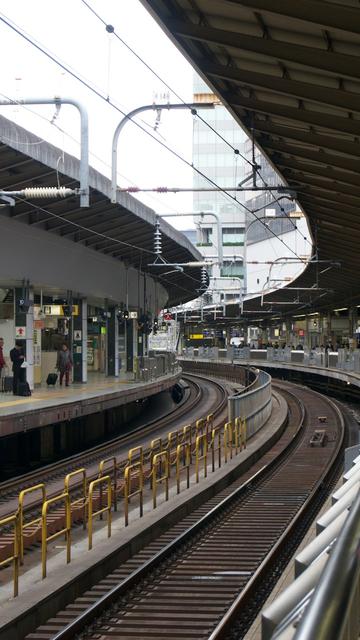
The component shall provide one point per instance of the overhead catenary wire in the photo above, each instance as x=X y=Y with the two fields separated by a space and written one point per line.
x=52 y=57
x=203 y=120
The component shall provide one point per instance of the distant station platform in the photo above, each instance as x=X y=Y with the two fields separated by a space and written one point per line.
x=51 y=405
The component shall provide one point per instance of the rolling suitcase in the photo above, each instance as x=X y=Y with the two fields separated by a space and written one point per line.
x=51 y=379
x=23 y=389
x=7 y=384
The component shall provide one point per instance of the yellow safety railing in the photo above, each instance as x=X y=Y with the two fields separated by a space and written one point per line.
x=136 y=455
x=15 y=557
x=210 y=422
x=183 y=461
x=172 y=443
x=201 y=427
x=155 y=447
x=82 y=500
x=216 y=447
x=91 y=513
x=110 y=465
x=160 y=461
x=200 y=454
x=187 y=437
x=243 y=433
x=36 y=521
x=133 y=472
x=64 y=497
x=228 y=441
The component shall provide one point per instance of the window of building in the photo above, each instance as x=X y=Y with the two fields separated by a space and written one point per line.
x=232 y=268
x=233 y=236
x=205 y=237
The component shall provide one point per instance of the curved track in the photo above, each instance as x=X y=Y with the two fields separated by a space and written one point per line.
x=182 y=584
x=205 y=396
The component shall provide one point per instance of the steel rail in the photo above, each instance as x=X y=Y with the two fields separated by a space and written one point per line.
x=223 y=627
x=77 y=625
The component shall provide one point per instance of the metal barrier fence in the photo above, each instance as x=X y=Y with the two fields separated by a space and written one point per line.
x=254 y=405
x=343 y=359
x=155 y=365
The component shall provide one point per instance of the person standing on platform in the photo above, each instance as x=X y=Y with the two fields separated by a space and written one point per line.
x=64 y=364
x=2 y=359
x=17 y=358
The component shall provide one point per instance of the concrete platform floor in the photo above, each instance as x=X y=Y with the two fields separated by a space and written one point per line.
x=54 y=395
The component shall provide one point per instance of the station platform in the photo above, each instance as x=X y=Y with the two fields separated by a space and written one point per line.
x=51 y=405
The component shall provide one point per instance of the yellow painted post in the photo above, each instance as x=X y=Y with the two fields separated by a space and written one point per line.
x=138 y=468
x=187 y=437
x=78 y=501
x=22 y=525
x=114 y=467
x=92 y=514
x=159 y=459
x=200 y=427
x=243 y=433
x=200 y=454
x=237 y=435
x=13 y=519
x=136 y=452
x=173 y=441
x=215 y=436
x=209 y=424
x=64 y=497
x=228 y=438
x=182 y=454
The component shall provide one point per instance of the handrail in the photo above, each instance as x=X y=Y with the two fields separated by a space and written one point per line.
x=16 y=555
x=228 y=441
x=22 y=525
x=200 y=454
x=92 y=514
x=63 y=497
x=183 y=452
x=79 y=501
x=114 y=463
x=128 y=494
x=329 y=614
x=158 y=459
x=215 y=435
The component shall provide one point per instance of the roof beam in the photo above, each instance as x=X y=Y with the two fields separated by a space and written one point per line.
x=344 y=219
x=295 y=180
x=330 y=173
x=322 y=193
x=313 y=118
x=325 y=142
x=335 y=63
x=326 y=14
x=303 y=90
x=330 y=160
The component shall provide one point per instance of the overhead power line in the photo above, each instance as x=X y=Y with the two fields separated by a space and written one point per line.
x=111 y=30
x=62 y=65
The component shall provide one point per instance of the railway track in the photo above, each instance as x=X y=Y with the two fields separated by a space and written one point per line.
x=184 y=584
x=205 y=396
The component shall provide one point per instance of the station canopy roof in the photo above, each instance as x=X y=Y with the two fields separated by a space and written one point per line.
x=124 y=231
x=291 y=72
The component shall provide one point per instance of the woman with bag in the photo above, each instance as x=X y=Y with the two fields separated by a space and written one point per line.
x=64 y=364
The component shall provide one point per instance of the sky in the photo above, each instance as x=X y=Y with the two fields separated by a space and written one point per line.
x=69 y=31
